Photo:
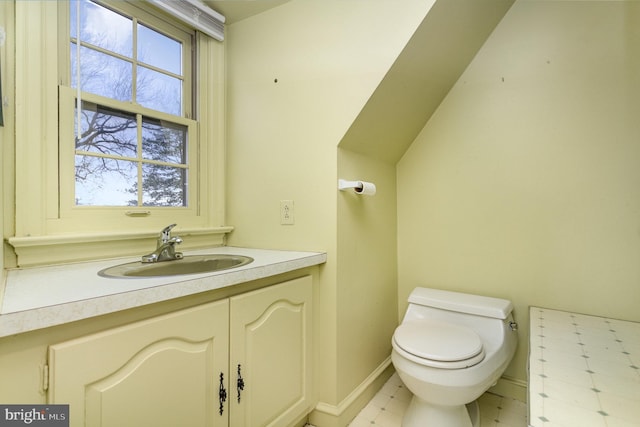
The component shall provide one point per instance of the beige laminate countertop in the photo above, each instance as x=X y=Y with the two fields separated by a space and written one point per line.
x=41 y=297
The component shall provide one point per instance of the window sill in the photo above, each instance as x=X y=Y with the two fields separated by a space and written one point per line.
x=46 y=250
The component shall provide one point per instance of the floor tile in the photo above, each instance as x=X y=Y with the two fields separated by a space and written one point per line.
x=388 y=406
x=595 y=382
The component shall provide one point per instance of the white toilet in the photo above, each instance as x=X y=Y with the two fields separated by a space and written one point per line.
x=450 y=348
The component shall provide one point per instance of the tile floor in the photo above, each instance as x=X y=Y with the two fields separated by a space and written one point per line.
x=387 y=407
x=584 y=370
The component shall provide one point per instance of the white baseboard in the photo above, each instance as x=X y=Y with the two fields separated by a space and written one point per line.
x=511 y=387
x=328 y=415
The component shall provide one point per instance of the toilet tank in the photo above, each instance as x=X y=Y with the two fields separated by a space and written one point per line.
x=475 y=305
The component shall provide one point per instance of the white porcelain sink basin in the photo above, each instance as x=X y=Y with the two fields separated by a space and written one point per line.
x=190 y=264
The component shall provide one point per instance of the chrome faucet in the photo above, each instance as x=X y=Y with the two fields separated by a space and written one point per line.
x=166 y=247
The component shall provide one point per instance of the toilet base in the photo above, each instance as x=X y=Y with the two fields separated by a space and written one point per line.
x=474 y=413
x=424 y=414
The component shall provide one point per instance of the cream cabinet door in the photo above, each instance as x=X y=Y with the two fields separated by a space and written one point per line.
x=270 y=356
x=164 y=371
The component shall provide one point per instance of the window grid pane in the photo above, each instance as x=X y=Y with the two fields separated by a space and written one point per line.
x=163 y=185
x=102 y=27
x=102 y=181
x=163 y=141
x=158 y=91
x=107 y=131
x=169 y=58
x=102 y=74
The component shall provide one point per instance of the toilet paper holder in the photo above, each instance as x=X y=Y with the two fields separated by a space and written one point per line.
x=359 y=187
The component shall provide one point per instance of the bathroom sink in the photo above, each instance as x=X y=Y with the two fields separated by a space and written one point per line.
x=190 y=264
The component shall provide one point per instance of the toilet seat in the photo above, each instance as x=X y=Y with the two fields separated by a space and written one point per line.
x=439 y=344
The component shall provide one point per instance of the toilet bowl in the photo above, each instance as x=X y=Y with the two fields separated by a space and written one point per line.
x=448 y=350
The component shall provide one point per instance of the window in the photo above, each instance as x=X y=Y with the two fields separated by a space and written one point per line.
x=145 y=148
x=126 y=152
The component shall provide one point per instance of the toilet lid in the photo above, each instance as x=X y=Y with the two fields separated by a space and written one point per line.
x=438 y=341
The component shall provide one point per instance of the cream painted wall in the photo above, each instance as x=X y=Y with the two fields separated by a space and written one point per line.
x=367 y=267
x=525 y=184
x=298 y=75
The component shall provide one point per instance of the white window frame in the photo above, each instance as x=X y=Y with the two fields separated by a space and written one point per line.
x=47 y=229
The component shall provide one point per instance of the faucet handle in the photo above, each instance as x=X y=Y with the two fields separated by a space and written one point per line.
x=165 y=234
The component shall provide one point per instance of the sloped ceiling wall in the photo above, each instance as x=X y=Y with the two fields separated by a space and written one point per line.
x=441 y=48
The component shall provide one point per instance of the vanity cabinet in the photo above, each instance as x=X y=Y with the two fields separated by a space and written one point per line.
x=240 y=361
